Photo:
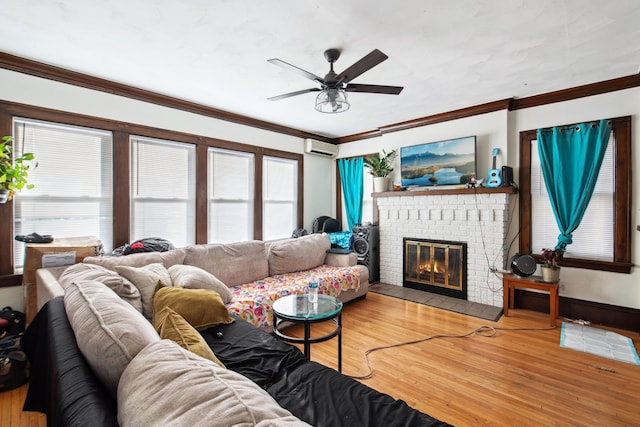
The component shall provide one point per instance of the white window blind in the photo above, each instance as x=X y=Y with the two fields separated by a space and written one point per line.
x=367 y=200
x=73 y=182
x=594 y=238
x=163 y=190
x=231 y=185
x=280 y=197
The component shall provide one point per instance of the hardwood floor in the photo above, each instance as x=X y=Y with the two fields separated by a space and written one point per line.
x=515 y=378
x=11 y=414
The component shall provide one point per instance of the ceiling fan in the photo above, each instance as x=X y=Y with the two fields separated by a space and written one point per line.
x=333 y=87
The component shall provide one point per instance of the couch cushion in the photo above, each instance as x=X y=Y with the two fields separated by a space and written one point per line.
x=233 y=264
x=146 y=279
x=201 y=308
x=303 y=253
x=166 y=385
x=121 y=286
x=109 y=332
x=169 y=258
x=171 y=326
x=191 y=277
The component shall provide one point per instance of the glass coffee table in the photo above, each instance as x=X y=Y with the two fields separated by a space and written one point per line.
x=298 y=309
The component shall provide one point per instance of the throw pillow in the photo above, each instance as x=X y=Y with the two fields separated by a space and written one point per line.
x=146 y=279
x=190 y=277
x=170 y=325
x=121 y=286
x=303 y=253
x=109 y=332
x=201 y=308
x=166 y=385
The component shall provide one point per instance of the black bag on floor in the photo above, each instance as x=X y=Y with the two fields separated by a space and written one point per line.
x=15 y=322
x=14 y=369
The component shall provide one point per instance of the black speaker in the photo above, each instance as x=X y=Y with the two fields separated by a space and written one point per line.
x=507 y=176
x=523 y=265
x=365 y=245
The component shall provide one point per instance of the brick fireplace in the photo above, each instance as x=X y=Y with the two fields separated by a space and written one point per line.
x=479 y=219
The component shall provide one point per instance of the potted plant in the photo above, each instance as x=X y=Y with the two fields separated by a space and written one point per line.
x=379 y=166
x=550 y=268
x=13 y=171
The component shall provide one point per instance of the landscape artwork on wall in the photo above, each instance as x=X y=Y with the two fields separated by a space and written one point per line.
x=450 y=162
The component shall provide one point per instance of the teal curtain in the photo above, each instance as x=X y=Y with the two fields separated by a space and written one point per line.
x=351 y=178
x=570 y=157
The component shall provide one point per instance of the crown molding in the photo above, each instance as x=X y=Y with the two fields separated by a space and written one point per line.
x=576 y=92
x=58 y=74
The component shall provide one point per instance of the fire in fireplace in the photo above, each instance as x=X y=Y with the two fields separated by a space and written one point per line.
x=437 y=266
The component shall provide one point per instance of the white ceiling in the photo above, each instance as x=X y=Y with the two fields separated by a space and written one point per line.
x=447 y=54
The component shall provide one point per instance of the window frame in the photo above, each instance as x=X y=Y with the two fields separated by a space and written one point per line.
x=211 y=151
x=172 y=200
x=121 y=174
x=266 y=202
x=621 y=127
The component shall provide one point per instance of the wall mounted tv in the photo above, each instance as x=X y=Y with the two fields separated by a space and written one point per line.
x=451 y=162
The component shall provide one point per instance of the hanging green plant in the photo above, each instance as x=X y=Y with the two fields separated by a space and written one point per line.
x=14 y=172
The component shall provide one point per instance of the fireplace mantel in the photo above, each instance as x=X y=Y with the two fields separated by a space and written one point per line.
x=440 y=192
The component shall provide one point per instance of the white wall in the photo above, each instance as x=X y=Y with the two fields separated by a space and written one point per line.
x=319 y=196
x=501 y=129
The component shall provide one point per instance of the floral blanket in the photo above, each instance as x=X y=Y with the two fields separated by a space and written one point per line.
x=253 y=301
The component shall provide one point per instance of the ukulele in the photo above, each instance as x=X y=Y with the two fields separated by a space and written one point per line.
x=493 y=178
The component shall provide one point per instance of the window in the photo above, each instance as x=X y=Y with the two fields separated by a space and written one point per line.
x=591 y=240
x=72 y=196
x=280 y=197
x=231 y=200
x=163 y=190
x=123 y=181
x=603 y=240
x=367 y=199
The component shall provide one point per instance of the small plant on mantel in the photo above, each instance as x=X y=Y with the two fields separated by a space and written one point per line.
x=551 y=258
x=379 y=164
x=13 y=171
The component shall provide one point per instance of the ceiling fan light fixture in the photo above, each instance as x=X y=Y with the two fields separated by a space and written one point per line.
x=332 y=101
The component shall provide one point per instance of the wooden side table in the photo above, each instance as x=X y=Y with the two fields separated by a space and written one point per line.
x=511 y=282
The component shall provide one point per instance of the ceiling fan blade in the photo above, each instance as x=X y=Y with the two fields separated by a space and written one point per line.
x=389 y=90
x=365 y=64
x=295 y=69
x=290 y=94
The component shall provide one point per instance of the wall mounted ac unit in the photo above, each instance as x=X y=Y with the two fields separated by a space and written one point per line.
x=320 y=148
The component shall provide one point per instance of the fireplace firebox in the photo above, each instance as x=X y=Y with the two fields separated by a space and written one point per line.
x=437 y=266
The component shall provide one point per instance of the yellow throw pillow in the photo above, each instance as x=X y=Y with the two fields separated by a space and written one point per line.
x=171 y=326
x=201 y=308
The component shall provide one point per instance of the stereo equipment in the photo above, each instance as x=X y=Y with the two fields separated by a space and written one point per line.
x=523 y=265
x=365 y=245
x=507 y=176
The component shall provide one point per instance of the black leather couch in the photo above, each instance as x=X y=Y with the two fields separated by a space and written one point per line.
x=64 y=388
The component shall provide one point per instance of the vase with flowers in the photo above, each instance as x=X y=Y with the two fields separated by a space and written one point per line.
x=550 y=268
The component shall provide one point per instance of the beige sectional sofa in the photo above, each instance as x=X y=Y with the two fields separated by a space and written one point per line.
x=255 y=272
